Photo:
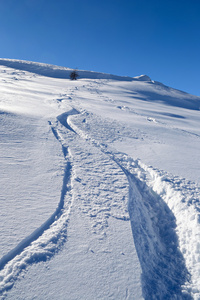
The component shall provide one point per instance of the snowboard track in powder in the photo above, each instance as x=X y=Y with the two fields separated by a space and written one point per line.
x=153 y=224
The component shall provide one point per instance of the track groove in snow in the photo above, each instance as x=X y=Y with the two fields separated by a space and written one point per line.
x=63 y=118
x=107 y=182
x=39 y=231
x=154 y=227
x=164 y=272
x=46 y=240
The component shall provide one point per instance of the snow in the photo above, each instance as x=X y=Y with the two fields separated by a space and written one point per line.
x=100 y=186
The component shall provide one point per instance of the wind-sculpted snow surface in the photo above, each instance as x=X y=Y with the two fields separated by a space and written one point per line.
x=158 y=206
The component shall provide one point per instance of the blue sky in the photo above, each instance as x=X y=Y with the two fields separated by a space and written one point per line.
x=124 y=37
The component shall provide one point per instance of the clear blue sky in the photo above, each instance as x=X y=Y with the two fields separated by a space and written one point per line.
x=160 y=38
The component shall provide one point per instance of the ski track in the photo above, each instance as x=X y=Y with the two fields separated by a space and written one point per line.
x=107 y=185
x=153 y=225
x=46 y=240
x=158 y=234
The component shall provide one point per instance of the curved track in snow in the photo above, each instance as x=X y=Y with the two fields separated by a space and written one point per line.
x=39 y=231
x=46 y=240
x=153 y=225
x=164 y=271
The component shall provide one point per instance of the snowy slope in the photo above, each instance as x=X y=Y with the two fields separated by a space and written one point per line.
x=100 y=186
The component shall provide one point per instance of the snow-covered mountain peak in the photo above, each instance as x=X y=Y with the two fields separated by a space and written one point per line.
x=143 y=78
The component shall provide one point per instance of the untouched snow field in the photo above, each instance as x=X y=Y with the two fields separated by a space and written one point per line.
x=100 y=186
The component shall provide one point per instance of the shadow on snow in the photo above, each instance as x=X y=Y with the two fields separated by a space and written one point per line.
x=154 y=231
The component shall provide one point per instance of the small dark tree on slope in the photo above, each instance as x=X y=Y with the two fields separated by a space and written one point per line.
x=73 y=75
